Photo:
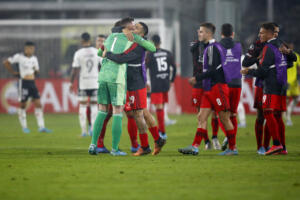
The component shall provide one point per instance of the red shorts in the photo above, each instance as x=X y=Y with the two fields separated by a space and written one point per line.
x=197 y=94
x=136 y=100
x=159 y=98
x=258 y=95
x=273 y=101
x=234 y=98
x=217 y=98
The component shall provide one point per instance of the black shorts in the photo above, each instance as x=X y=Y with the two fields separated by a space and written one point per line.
x=27 y=88
x=83 y=95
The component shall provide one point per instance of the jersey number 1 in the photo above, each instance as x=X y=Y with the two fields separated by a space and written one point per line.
x=162 y=64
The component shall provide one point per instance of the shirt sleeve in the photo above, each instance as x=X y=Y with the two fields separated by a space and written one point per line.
x=76 y=62
x=144 y=43
x=36 y=66
x=14 y=59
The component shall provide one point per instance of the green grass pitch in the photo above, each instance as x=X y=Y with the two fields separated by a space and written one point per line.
x=58 y=166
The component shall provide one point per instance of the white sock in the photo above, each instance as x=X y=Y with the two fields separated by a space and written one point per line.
x=290 y=109
x=82 y=117
x=22 y=117
x=241 y=113
x=94 y=113
x=166 y=112
x=39 y=117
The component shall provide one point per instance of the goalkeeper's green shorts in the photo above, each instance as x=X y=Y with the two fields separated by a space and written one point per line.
x=111 y=93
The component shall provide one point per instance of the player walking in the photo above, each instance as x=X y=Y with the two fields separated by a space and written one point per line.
x=216 y=95
x=28 y=68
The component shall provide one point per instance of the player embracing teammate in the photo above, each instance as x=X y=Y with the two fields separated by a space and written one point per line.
x=272 y=71
x=221 y=65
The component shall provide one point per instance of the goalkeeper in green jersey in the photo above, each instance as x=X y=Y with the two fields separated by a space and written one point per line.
x=112 y=82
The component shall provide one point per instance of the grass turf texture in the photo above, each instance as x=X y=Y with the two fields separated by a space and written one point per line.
x=58 y=166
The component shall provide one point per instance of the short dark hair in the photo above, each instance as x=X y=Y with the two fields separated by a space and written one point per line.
x=29 y=43
x=227 y=30
x=145 y=28
x=275 y=24
x=85 y=36
x=126 y=20
x=269 y=26
x=156 y=39
x=209 y=26
x=118 y=23
x=102 y=36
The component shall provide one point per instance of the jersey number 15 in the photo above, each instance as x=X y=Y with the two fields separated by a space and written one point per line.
x=162 y=64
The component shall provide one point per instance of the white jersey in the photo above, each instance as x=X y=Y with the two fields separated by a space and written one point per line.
x=87 y=60
x=27 y=65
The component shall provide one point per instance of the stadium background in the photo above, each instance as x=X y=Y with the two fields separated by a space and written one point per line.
x=55 y=27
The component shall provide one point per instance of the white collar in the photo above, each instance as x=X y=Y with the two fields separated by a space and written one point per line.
x=211 y=41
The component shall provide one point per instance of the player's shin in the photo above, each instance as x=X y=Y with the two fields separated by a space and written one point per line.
x=116 y=131
x=39 y=117
x=94 y=111
x=82 y=117
x=98 y=124
x=22 y=118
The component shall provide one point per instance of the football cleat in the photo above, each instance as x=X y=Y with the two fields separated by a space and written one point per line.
x=163 y=135
x=274 y=149
x=170 y=122
x=283 y=152
x=93 y=149
x=216 y=144
x=45 y=130
x=102 y=150
x=208 y=145
x=83 y=135
x=134 y=149
x=224 y=144
x=189 y=150
x=142 y=151
x=229 y=152
x=242 y=125
x=117 y=153
x=158 y=146
x=261 y=151
x=26 y=130
x=289 y=123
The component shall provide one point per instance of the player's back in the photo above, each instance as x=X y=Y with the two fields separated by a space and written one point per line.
x=87 y=59
x=159 y=64
x=110 y=71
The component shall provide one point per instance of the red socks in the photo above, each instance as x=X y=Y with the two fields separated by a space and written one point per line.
x=272 y=126
x=259 y=132
x=201 y=133
x=132 y=131
x=144 y=140
x=267 y=137
x=278 y=116
x=154 y=132
x=231 y=138
x=100 y=143
x=234 y=123
x=160 y=113
x=215 y=126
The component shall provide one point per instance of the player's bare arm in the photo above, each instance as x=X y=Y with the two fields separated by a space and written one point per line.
x=8 y=66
